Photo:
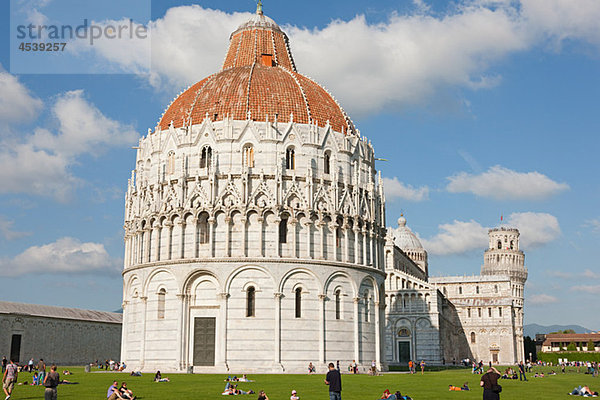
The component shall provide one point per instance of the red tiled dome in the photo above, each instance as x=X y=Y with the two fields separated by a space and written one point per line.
x=259 y=79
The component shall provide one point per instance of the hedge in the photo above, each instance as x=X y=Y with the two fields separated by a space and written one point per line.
x=571 y=356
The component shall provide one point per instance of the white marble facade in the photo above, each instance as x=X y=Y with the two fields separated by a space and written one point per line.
x=206 y=229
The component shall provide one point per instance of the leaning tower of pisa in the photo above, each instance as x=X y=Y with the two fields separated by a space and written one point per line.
x=503 y=257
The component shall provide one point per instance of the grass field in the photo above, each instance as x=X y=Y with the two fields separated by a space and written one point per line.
x=432 y=385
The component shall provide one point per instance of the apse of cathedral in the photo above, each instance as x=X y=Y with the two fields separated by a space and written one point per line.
x=255 y=238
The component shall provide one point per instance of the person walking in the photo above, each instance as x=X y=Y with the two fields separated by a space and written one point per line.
x=334 y=381
x=51 y=382
x=41 y=371
x=422 y=367
x=9 y=378
x=489 y=382
x=522 y=376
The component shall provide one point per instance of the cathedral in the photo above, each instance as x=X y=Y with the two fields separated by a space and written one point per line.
x=255 y=238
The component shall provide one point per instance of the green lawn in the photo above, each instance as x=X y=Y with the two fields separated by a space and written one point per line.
x=432 y=385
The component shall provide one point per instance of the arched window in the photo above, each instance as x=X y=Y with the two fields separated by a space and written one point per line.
x=460 y=290
x=298 y=302
x=499 y=244
x=250 y=301
x=248 y=156
x=468 y=312
x=477 y=289
x=161 y=303
x=171 y=163
x=495 y=288
x=479 y=312
x=338 y=304
x=205 y=157
x=283 y=230
x=500 y=311
x=472 y=337
x=327 y=162
x=490 y=312
x=290 y=158
x=203 y=232
x=338 y=237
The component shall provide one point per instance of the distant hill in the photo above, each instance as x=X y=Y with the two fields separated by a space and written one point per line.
x=531 y=329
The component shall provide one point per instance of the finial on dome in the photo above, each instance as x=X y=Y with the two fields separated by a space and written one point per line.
x=401 y=220
x=259 y=10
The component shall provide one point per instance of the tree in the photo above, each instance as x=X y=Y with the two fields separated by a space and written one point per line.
x=571 y=347
x=591 y=346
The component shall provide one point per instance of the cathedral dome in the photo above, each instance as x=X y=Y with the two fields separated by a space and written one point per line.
x=405 y=238
x=258 y=81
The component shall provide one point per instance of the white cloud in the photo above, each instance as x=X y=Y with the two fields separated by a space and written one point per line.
x=504 y=184
x=17 y=104
x=589 y=274
x=394 y=189
x=542 y=299
x=6 y=230
x=40 y=163
x=461 y=237
x=457 y=237
x=536 y=228
x=594 y=224
x=593 y=289
x=68 y=255
x=406 y=60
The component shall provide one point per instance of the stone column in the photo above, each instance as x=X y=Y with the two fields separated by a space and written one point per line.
x=211 y=236
x=356 y=333
x=147 y=244
x=144 y=300
x=377 y=336
x=308 y=225
x=356 y=246
x=293 y=224
x=277 y=244
x=364 y=249
x=322 y=298
x=277 y=355
x=262 y=236
x=221 y=353
x=333 y=227
x=180 y=333
x=244 y=222
x=346 y=244
x=195 y=241
x=181 y=250
x=155 y=241
x=373 y=240
x=169 y=227
x=228 y=237
x=123 y=332
x=321 y=225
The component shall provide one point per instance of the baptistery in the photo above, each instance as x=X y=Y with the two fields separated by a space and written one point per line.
x=254 y=224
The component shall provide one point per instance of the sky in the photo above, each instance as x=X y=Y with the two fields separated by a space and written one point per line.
x=484 y=110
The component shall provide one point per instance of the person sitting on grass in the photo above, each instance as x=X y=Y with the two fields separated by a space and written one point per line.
x=386 y=394
x=113 y=392
x=538 y=375
x=552 y=373
x=311 y=368
x=262 y=395
x=398 y=396
x=294 y=395
x=126 y=393
x=158 y=377
x=463 y=388
x=136 y=373
x=35 y=379
x=244 y=378
x=67 y=372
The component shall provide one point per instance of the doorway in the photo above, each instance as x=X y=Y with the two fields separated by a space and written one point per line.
x=15 y=348
x=403 y=352
x=204 y=341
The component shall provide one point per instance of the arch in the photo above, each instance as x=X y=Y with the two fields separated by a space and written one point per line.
x=327 y=162
x=250 y=301
x=195 y=276
x=244 y=268
x=153 y=274
x=248 y=155
x=473 y=338
x=375 y=286
x=336 y=274
x=205 y=156
x=290 y=158
x=293 y=271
